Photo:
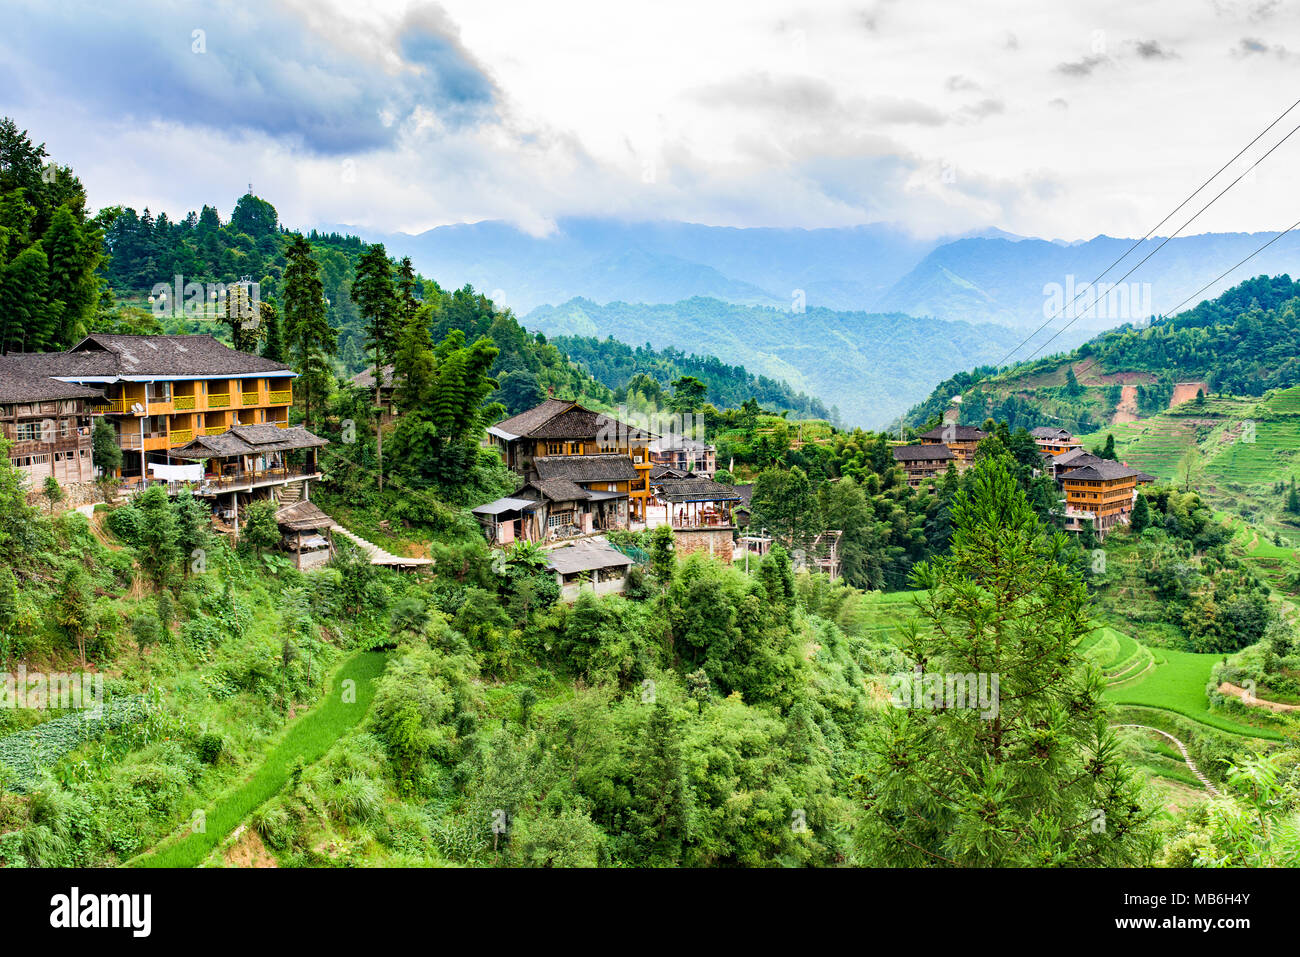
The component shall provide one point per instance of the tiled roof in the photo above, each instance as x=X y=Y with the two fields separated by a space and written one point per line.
x=559 y=490
x=18 y=386
x=302 y=516
x=562 y=419
x=366 y=380
x=922 y=453
x=612 y=467
x=1049 y=432
x=697 y=490
x=1080 y=455
x=585 y=556
x=103 y=355
x=249 y=440
x=1105 y=470
x=954 y=433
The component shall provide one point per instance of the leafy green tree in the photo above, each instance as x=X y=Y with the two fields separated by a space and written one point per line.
x=260 y=530
x=52 y=491
x=784 y=504
x=663 y=559
x=1032 y=774
x=74 y=608
x=193 y=528
x=1292 y=499
x=159 y=535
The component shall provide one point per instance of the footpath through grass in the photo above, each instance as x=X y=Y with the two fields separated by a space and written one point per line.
x=308 y=737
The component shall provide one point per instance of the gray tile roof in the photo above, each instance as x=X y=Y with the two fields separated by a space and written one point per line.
x=697 y=490
x=103 y=355
x=612 y=467
x=1103 y=470
x=563 y=419
x=922 y=453
x=18 y=386
x=249 y=440
x=585 y=556
x=958 y=433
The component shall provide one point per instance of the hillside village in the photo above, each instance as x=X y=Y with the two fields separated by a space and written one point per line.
x=644 y=620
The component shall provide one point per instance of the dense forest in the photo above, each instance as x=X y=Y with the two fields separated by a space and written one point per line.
x=617 y=365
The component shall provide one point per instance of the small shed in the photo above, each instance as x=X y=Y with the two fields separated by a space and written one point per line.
x=590 y=563
x=308 y=533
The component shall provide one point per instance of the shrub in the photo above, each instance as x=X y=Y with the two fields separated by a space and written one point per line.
x=209 y=747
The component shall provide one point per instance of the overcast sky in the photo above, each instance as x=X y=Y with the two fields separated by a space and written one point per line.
x=1060 y=120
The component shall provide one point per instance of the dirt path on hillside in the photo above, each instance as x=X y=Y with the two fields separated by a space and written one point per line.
x=1127 y=410
x=1239 y=692
x=1186 y=392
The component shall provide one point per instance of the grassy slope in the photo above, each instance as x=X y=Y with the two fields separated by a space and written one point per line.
x=307 y=738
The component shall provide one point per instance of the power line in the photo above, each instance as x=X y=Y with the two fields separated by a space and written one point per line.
x=1150 y=231
x=1237 y=266
x=1168 y=238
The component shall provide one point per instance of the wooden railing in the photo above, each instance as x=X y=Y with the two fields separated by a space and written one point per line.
x=250 y=398
x=118 y=405
x=184 y=403
x=214 y=430
x=281 y=398
x=182 y=436
x=218 y=400
x=236 y=479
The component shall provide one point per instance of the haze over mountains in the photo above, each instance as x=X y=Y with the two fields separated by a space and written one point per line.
x=992 y=277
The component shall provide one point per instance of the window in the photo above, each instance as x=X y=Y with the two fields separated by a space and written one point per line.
x=28 y=431
x=553 y=448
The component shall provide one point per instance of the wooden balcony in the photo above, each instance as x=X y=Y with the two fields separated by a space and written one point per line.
x=280 y=398
x=118 y=406
x=215 y=429
x=218 y=400
x=249 y=398
x=185 y=403
x=182 y=436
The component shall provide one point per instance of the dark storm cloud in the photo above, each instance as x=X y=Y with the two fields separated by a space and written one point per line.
x=210 y=65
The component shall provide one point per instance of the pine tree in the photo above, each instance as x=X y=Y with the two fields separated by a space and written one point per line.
x=311 y=338
x=1032 y=774
x=1141 y=517
x=1292 y=499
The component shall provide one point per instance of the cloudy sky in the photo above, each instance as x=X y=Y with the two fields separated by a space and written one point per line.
x=1060 y=120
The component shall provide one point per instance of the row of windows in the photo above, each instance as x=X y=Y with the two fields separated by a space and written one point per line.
x=27 y=461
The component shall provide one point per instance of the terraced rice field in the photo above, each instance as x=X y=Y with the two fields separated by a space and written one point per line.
x=1176 y=682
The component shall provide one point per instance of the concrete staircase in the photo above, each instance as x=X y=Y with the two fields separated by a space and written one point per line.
x=377 y=555
x=291 y=494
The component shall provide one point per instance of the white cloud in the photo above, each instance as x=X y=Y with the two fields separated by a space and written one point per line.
x=938 y=116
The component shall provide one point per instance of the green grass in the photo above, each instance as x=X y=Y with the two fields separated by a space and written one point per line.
x=1177 y=684
x=308 y=738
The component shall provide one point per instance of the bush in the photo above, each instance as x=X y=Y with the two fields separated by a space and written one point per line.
x=209 y=747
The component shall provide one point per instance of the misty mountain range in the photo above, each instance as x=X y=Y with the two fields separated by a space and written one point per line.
x=993 y=277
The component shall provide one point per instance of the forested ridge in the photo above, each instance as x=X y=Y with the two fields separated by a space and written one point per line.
x=1244 y=342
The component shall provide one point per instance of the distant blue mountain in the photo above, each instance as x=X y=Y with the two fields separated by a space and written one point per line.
x=991 y=276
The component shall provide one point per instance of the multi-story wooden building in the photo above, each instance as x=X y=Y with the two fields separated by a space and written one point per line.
x=48 y=424
x=925 y=461
x=1103 y=492
x=685 y=455
x=961 y=440
x=547 y=443
x=163 y=392
x=1053 y=441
